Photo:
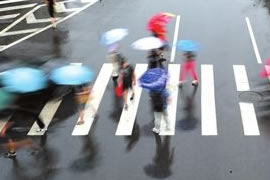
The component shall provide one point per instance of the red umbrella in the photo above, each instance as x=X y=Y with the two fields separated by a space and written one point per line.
x=157 y=24
x=161 y=19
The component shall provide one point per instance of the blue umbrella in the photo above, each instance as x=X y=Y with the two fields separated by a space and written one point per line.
x=72 y=75
x=113 y=36
x=188 y=45
x=154 y=79
x=23 y=80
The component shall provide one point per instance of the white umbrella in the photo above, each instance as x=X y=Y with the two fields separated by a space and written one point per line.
x=147 y=43
x=114 y=36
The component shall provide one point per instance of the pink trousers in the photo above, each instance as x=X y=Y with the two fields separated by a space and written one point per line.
x=188 y=67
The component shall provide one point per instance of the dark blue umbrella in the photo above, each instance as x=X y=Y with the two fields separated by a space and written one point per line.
x=72 y=75
x=188 y=45
x=154 y=79
x=23 y=80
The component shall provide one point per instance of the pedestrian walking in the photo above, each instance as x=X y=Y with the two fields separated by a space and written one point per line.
x=189 y=66
x=159 y=100
x=51 y=10
x=128 y=80
x=82 y=97
x=115 y=57
x=155 y=59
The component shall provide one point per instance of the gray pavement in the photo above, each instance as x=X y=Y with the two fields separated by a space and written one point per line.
x=221 y=29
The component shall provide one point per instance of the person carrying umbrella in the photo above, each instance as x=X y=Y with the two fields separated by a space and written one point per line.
x=51 y=10
x=128 y=80
x=82 y=97
x=115 y=58
x=155 y=59
x=189 y=66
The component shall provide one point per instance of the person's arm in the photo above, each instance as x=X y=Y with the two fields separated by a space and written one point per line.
x=133 y=78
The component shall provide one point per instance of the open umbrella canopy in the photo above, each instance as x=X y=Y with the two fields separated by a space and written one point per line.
x=154 y=79
x=114 y=36
x=147 y=43
x=188 y=45
x=72 y=75
x=23 y=80
x=160 y=19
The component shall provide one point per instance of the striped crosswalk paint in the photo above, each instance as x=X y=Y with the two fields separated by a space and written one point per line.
x=17 y=7
x=11 y=1
x=208 y=105
x=97 y=94
x=174 y=71
x=241 y=78
x=9 y=16
x=128 y=116
x=46 y=114
x=247 y=110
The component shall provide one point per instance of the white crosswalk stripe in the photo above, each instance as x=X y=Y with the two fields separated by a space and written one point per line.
x=17 y=7
x=127 y=118
x=208 y=105
x=10 y=16
x=11 y=1
x=174 y=71
x=11 y=33
x=95 y=99
x=247 y=110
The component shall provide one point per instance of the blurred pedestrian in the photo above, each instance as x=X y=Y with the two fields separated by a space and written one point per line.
x=115 y=57
x=83 y=95
x=159 y=100
x=189 y=66
x=13 y=145
x=51 y=10
x=155 y=59
x=128 y=80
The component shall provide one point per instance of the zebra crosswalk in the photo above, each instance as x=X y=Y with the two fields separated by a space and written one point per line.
x=209 y=120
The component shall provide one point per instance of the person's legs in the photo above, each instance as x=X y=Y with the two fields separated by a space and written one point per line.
x=193 y=73
x=157 y=116
x=11 y=149
x=125 y=95
x=166 y=119
x=183 y=72
x=40 y=124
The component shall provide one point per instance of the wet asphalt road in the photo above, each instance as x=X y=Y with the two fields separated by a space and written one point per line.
x=221 y=29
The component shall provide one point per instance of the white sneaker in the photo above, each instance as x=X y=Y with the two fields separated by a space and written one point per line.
x=155 y=130
x=41 y=130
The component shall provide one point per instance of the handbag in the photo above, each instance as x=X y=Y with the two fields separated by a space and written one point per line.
x=118 y=90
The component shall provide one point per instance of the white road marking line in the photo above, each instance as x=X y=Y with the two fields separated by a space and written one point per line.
x=30 y=19
x=249 y=119
x=3 y=122
x=19 y=20
x=77 y=64
x=11 y=33
x=241 y=78
x=10 y=16
x=11 y=1
x=128 y=116
x=45 y=28
x=208 y=106
x=253 y=40
x=97 y=94
x=175 y=38
x=60 y=8
x=174 y=71
x=17 y=7
x=2 y=47
x=46 y=115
